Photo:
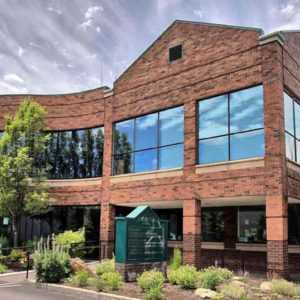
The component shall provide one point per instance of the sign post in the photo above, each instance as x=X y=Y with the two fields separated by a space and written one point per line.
x=141 y=242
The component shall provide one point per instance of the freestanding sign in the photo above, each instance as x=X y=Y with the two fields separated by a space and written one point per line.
x=141 y=242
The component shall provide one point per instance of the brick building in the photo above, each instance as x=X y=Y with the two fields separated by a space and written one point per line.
x=204 y=127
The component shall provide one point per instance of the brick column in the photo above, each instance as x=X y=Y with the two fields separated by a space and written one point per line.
x=275 y=162
x=107 y=219
x=107 y=230
x=192 y=232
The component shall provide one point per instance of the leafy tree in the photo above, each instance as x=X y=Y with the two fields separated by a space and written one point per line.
x=22 y=168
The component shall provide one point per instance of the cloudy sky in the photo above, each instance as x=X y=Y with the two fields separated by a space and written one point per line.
x=60 y=46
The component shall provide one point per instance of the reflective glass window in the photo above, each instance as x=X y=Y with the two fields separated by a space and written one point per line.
x=145 y=160
x=146 y=132
x=212 y=224
x=288 y=114
x=123 y=136
x=171 y=156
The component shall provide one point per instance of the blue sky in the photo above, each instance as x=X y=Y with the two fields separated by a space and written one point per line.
x=61 y=46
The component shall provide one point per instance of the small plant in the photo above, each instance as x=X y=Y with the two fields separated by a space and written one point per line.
x=96 y=282
x=151 y=282
x=176 y=260
x=111 y=280
x=3 y=268
x=80 y=279
x=234 y=292
x=51 y=264
x=106 y=265
x=285 y=288
x=71 y=241
x=17 y=255
x=187 y=277
x=211 y=277
x=172 y=276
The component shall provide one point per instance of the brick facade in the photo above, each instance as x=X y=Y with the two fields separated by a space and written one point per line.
x=216 y=60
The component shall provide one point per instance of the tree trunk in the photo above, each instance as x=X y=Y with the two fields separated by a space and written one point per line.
x=15 y=231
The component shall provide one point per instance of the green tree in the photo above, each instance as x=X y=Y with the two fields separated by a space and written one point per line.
x=22 y=168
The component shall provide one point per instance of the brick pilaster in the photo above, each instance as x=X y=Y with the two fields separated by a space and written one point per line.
x=275 y=162
x=192 y=232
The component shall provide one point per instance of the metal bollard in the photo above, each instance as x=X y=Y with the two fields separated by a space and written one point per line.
x=28 y=264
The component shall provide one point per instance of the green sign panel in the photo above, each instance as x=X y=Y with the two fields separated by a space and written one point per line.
x=141 y=237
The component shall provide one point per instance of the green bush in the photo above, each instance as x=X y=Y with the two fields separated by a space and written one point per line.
x=17 y=255
x=71 y=241
x=111 y=280
x=172 y=276
x=51 y=265
x=285 y=288
x=234 y=292
x=211 y=277
x=96 y=282
x=187 y=277
x=106 y=265
x=80 y=279
x=3 y=268
x=176 y=260
x=151 y=282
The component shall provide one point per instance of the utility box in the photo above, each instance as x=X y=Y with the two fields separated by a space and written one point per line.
x=141 y=242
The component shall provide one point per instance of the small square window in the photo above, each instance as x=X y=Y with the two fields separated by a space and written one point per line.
x=175 y=53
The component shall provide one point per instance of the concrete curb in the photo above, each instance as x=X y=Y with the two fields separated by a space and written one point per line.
x=15 y=273
x=84 y=293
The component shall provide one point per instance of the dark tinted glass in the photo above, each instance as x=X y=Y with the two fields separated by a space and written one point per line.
x=175 y=53
x=288 y=114
x=146 y=132
x=171 y=125
x=171 y=157
x=290 y=147
x=75 y=154
x=212 y=225
x=123 y=136
x=246 y=109
x=123 y=163
x=213 y=117
x=297 y=119
x=145 y=160
x=294 y=224
x=252 y=225
x=246 y=145
x=213 y=150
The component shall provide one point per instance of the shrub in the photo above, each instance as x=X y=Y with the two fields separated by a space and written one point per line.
x=3 y=268
x=172 y=276
x=211 y=277
x=17 y=255
x=285 y=288
x=176 y=260
x=52 y=265
x=96 y=282
x=151 y=282
x=234 y=292
x=187 y=277
x=71 y=240
x=106 y=265
x=111 y=280
x=80 y=279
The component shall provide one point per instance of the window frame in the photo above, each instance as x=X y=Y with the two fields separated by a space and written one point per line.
x=157 y=148
x=172 y=48
x=293 y=136
x=229 y=133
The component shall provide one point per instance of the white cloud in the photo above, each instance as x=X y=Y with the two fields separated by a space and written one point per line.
x=98 y=29
x=20 y=51
x=55 y=10
x=92 y=11
x=198 y=13
x=85 y=25
x=10 y=88
x=11 y=77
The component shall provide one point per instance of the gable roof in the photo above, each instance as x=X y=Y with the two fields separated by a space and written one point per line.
x=259 y=30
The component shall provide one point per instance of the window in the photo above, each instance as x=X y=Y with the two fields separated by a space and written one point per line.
x=230 y=126
x=294 y=224
x=75 y=154
x=175 y=53
x=292 y=128
x=251 y=225
x=150 y=142
x=212 y=225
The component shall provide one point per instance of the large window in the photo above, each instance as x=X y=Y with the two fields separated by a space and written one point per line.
x=294 y=224
x=292 y=128
x=75 y=154
x=251 y=225
x=212 y=224
x=150 y=142
x=231 y=126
